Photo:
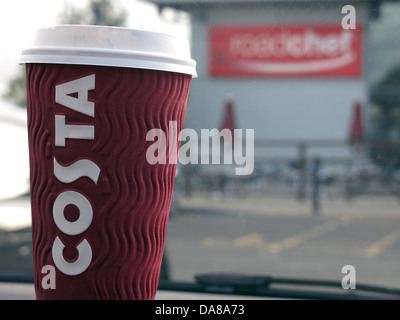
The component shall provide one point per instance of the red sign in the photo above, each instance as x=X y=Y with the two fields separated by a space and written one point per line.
x=285 y=51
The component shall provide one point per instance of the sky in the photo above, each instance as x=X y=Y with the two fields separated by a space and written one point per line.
x=20 y=18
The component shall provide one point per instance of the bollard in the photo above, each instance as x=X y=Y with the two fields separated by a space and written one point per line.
x=302 y=165
x=315 y=186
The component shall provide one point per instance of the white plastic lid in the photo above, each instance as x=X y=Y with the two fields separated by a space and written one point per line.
x=110 y=46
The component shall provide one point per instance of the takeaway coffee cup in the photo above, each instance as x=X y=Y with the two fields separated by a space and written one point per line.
x=99 y=208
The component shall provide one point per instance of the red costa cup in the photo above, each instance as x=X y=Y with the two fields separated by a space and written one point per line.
x=99 y=206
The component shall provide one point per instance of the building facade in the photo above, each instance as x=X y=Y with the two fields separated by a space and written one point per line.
x=293 y=69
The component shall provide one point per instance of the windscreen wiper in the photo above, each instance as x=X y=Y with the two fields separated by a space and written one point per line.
x=279 y=287
x=259 y=286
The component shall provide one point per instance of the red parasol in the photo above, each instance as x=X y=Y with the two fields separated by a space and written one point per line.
x=357 y=128
x=228 y=120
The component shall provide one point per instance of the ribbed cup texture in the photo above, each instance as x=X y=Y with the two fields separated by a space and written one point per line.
x=131 y=199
